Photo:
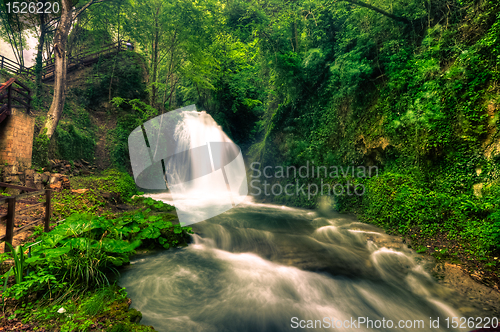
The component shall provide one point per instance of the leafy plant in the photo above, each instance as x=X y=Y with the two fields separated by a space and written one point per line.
x=19 y=262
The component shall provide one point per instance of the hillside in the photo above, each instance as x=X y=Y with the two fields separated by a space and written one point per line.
x=420 y=103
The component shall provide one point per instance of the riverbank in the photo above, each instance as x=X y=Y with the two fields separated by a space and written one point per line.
x=72 y=284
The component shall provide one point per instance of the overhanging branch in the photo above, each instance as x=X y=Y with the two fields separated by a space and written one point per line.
x=380 y=11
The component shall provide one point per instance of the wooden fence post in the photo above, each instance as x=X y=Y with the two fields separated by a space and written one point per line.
x=9 y=229
x=48 y=211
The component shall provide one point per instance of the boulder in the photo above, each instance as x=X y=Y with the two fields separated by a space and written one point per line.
x=45 y=177
x=56 y=186
x=29 y=178
x=56 y=182
x=29 y=173
x=12 y=191
x=37 y=179
x=9 y=173
x=112 y=197
x=56 y=177
x=65 y=182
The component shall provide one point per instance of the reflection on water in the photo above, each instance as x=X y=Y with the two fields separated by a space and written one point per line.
x=257 y=266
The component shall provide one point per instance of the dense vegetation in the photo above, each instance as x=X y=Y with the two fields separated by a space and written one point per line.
x=419 y=101
x=75 y=266
x=409 y=87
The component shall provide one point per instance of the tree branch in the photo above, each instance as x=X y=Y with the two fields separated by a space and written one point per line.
x=79 y=10
x=378 y=10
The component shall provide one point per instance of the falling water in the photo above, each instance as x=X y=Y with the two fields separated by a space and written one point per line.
x=188 y=151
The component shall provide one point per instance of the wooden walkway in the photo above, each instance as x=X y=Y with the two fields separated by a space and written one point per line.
x=84 y=58
x=14 y=94
x=80 y=60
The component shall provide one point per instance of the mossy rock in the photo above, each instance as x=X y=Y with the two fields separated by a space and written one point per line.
x=120 y=318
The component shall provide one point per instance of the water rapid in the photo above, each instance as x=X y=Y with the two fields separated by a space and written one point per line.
x=257 y=266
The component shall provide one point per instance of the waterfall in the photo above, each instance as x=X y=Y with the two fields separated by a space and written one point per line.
x=204 y=170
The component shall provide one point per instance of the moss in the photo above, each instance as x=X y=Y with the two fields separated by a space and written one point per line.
x=118 y=317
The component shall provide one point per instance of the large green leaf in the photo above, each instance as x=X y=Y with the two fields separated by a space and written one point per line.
x=119 y=246
x=150 y=232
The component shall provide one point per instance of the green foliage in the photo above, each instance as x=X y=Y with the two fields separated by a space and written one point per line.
x=75 y=143
x=421 y=105
x=133 y=114
x=19 y=262
x=86 y=250
x=123 y=74
x=40 y=156
x=155 y=205
x=65 y=204
x=106 y=306
x=123 y=183
x=95 y=304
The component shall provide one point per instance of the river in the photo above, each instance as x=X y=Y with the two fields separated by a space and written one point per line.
x=263 y=267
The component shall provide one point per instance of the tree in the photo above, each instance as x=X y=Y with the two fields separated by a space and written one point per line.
x=170 y=34
x=13 y=30
x=60 y=41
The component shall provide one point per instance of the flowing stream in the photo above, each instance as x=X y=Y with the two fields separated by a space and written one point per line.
x=257 y=266
x=261 y=267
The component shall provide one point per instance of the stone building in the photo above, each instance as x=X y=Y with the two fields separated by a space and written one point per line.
x=16 y=138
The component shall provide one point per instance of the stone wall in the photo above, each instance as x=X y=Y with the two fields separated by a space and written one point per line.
x=16 y=138
x=23 y=176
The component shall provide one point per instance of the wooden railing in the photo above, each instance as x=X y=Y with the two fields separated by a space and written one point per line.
x=82 y=58
x=11 y=211
x=13 y=94
x=48 y=66
x=14 y=67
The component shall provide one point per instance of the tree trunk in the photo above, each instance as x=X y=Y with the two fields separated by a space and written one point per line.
x=155 y=59
x=39 y=54
x=295 y=37
x=60 y=41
